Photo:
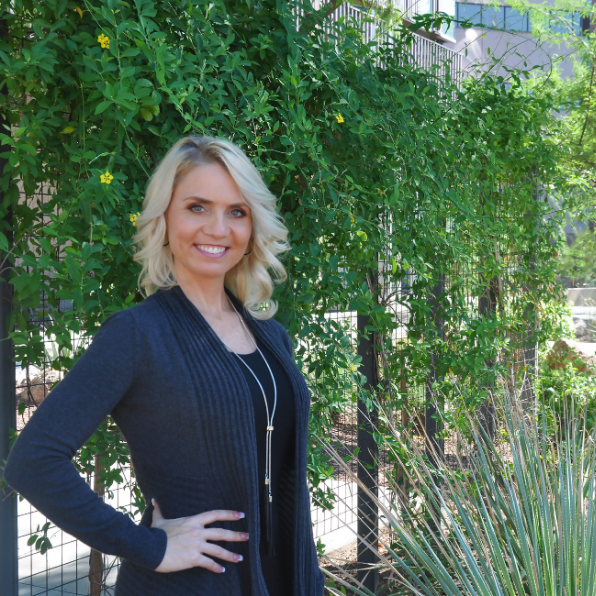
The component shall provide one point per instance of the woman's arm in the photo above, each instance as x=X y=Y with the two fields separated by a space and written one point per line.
x=39 y=465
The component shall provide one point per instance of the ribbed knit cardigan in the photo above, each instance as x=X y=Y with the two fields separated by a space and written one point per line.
x=184 y=407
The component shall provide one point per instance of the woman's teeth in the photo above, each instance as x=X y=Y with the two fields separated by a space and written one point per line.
x=212 y=249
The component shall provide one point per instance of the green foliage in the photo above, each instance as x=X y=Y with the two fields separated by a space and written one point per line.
x=567 y=388
x=577 y=263
x=379 y=166
x=40 y=538
x=569 y=80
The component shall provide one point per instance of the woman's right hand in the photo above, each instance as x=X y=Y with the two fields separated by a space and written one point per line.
x=187 y=540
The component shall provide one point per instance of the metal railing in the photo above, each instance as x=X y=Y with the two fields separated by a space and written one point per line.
x=423 y=52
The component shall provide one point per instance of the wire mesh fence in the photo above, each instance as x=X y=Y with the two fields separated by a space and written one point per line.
x=66 y=567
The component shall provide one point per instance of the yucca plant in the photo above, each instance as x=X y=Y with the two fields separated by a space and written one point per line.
x=513 y=517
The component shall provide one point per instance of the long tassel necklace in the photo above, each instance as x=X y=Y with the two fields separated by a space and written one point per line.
x=268 y=496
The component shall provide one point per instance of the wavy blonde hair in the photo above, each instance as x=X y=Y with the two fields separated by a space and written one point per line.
x=250 y=280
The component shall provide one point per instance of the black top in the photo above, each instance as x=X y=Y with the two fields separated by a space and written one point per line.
x=275 y=569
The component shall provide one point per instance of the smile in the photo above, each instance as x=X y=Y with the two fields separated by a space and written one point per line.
x=211 y=251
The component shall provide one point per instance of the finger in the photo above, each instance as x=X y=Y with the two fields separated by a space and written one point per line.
x=222 y=534
x=208 y=517
x=156 y=511
x=215 y=550
x=207 y=563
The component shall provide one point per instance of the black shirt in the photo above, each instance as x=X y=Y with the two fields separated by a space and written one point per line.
x=277 y=570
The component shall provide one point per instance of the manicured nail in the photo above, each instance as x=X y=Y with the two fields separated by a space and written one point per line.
x=223 y=569
x=238 y=557
x=153 y=502
x=240 y=514
x=245 y=535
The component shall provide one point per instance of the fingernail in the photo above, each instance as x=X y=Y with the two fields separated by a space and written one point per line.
x=240 y=515
x=238 y=557
x=223 y=569
x=245 y=535
x=153 y=501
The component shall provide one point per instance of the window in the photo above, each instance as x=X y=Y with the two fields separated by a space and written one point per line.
x=499 y=17
x=448 y=7
x=515 y=21
x=494 y=16
x=573 y=19
x=511 y=19
x=469 y=12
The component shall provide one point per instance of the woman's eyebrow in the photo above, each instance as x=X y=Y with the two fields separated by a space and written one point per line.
x=209 y=202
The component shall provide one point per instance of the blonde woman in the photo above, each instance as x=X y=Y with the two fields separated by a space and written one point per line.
x=201 y=382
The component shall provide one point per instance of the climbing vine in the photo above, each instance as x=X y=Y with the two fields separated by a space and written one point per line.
x=400 y=187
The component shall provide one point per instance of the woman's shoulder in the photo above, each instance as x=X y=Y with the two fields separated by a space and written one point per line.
x=145 y=316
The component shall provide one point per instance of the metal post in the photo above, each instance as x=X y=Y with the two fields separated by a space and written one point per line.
x=488 y=307
x=528 y=395
x=8 y=504
x=435 y=445
x=368 y=516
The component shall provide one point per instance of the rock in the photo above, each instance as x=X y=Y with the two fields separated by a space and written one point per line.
x=581 y=330
x=38 y=387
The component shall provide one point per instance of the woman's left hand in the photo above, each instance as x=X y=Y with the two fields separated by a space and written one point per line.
x=188 y=540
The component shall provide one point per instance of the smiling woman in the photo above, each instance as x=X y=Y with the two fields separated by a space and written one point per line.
x=203 y=386
x=217 y=193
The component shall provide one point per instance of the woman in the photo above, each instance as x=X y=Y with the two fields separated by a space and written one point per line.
x=201 y=382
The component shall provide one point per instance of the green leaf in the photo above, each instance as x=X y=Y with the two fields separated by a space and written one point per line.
x=102 y=107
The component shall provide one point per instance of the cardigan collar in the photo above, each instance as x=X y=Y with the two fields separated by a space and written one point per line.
x=262 y=329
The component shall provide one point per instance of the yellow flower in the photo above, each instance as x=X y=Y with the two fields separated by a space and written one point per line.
x=133 y=218
x=353 y=220
x=339 y=118
x=79 y=11
x=106 y=178
x=104 y=41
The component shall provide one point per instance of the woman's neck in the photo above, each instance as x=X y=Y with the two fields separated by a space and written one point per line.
x=209 y=296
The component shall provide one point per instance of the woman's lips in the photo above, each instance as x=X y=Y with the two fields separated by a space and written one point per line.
x=212 y=254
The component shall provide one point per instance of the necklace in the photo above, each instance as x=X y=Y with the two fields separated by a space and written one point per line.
x=269 y=435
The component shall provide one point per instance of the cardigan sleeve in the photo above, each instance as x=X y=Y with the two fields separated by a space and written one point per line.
x=39 y=466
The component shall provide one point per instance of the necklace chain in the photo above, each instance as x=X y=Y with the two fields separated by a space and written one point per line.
x=269 y=419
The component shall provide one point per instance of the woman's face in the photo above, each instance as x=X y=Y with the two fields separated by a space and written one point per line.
x=208 y=223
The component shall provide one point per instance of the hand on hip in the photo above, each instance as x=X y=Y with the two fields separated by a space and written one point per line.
x=188 y=540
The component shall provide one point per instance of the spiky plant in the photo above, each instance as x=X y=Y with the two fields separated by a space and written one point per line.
x=513 y=517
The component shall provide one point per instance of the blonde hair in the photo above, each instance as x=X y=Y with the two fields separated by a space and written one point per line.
x=250 y=280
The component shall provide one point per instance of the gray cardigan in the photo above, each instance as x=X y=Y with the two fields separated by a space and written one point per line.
x=184 y=407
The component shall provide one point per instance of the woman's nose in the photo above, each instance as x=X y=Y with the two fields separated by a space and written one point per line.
x=216 y=225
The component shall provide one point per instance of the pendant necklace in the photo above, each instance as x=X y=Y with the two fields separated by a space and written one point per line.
x=268 y=495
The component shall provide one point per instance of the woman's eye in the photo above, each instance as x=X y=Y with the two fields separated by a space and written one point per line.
x=238 y=213
x=196 y=208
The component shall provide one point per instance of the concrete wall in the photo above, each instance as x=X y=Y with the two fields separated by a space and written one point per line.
x=582 y=296
x=483 y=46
x=513 y=48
